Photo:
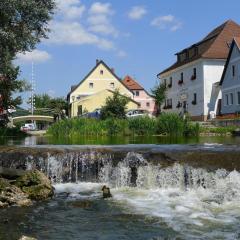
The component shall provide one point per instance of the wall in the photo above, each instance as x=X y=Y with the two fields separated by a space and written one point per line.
x=186 y=91
x=94 y=101
x=101 y=82
x=231 y=84
x=143 y=99
x=213 y=70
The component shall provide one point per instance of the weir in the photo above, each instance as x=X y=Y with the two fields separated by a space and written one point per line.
x=145 y=167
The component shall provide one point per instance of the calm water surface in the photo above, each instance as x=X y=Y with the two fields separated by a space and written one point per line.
x=33 y=140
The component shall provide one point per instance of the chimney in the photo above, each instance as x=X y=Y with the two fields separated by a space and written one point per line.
x=97 y=61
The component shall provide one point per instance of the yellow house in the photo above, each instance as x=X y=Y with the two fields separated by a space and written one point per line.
x=92 y=91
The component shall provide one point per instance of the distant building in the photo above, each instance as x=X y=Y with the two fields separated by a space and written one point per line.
x=140 y=95
x=193 y=81
x=92 y=91
x=230 y=82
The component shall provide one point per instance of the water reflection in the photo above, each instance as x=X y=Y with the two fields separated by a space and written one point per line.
x=115 y=140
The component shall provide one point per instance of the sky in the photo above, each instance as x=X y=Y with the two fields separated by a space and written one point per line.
x=135 y=37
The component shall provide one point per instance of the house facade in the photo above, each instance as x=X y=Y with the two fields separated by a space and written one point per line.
x=230 y=82
x=193 y=81
x=140 y=95
x=92 y=91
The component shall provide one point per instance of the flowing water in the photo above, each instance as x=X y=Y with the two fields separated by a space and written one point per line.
x=150 y=201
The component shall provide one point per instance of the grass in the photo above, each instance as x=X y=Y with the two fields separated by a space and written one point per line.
x=166 y=124
x=11 y=132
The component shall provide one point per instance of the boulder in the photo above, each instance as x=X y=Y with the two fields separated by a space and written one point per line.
x=36 y=185
x=11 y=195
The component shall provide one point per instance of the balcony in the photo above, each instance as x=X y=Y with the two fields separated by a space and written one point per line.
x=193 y=77
x=180 y=82
x=179 y=105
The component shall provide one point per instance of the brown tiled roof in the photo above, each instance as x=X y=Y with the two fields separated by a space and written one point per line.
x=131 y=84
x=214 y=46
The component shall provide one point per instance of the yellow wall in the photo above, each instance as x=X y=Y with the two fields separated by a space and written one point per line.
x=96 y=101
x=100 y=82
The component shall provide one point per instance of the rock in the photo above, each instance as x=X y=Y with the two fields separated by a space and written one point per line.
x=11 y=173
x=27 y=238
x=106 y=192
x=36 y=185
x=12 y=195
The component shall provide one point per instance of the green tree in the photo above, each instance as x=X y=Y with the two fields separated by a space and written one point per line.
x=23 y=23
x=159 y=94
x=115 y=106
x=43 y=102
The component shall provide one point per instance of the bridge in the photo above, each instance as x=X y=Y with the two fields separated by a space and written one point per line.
x=32 y=118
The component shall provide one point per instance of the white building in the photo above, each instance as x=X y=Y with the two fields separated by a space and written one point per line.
x=230 y=82
x=193 y=81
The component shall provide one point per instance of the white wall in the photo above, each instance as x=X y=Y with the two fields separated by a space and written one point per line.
x=213 y=70
x=188 y=88
x=231 y=84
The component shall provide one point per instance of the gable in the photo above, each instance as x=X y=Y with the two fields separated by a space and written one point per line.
x=233 y=59
x=101 y=77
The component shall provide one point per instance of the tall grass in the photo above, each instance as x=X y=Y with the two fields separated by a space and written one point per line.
x=167 y=124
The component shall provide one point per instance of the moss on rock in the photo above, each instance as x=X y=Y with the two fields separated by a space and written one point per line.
x=36 y=185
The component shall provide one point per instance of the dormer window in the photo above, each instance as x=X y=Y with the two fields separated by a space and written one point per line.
x=90 y=85
x=101 y=72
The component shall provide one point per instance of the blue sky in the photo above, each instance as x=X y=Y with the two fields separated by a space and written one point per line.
x=137 y=37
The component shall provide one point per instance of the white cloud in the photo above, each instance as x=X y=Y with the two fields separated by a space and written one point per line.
x=36 y=56
x=70 y=9
x=99 y=19
x=137 y=12
x=121 y=54
x=169 y=22
x=101 y=8
x=74 y=33
x=74 y=24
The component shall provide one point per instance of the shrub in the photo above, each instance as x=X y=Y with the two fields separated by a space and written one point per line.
x=142 y=125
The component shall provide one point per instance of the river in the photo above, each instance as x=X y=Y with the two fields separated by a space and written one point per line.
x=178 y=191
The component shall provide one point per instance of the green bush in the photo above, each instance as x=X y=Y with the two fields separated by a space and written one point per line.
x=142 y=125
x=174 y=125
x=11 y=132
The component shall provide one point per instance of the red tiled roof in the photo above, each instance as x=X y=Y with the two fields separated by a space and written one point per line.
x=130 y=83
x=214 y=46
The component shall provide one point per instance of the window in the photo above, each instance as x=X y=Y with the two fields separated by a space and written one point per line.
x=90 y=85
x=73 y=98
x=238 y=98
x=137 y=93
x=226 y=99
x=231 y=98
x=101 y=72
x=182 y=77
x=165 y=82
x=194 y=102
x=112 y=85
x=194 y=76
x=148 y=104
x=170 y=82
x=233 y=70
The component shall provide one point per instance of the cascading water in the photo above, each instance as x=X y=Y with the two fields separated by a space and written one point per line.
x=185 y=202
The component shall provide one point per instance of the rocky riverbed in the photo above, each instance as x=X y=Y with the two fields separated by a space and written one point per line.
x=21 y=188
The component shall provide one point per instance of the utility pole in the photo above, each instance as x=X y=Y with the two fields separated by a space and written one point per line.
x=33 y=86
